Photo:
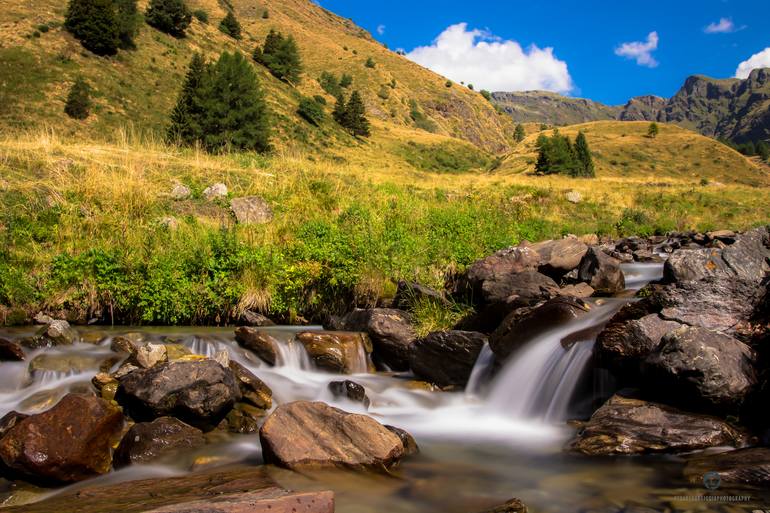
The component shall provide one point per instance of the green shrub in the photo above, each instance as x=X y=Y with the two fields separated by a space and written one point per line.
x=311 y=110
x=330 y=83
x=346 y=81
x=201 y=15
x=370 y=63
x=78 y=104
x=169 y=16
x=230 y=26
x=280 y=56
x=43 y=28
x=95 y=24
x=486 y=94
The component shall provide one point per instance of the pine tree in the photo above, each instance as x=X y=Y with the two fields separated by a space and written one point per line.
x=281 y=57
x=340 y=110
x=519 y=134
x=330 y=84
x=346 y=80
x=311 y=110
x=585 y=163
x=187 y=116
x=169 y=16
x=78 y=105
x=653 y=130
x=234 y=110
x=128 y=23
x=230 y=26
x=763 y=150
x=95 y=24
x=355 y=116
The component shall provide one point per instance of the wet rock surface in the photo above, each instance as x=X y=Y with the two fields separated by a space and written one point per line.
x=743 y=466
x=55 y=333
x=512 y=506
x=625 y=345
x=631 y=426
x=149 y=441
x=446 y=358
x=253 y=390
x=259 y=342
x=350 y=390
x=70 y=442
x=390 y=331
x=197 y=392
x=336 y=351
x=601 y=272
x=11 y=351
x=314 y=435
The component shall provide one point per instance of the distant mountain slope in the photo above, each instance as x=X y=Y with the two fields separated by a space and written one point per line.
x=552 y=108
x=138 y=88
x=622 y=150
x=731 y=108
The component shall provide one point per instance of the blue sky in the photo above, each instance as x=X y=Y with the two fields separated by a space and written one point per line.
x=587 y=59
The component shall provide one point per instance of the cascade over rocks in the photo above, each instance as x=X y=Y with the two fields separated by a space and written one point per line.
x=197 y=392
x=446 y=358
x=630 y=426
x=522 y=325
x=304 y=434
x=70 y=442
x=337 y=351
x=601 y=272
x=391 y=332
x=258 y=342
x=704 y=368
x=149 y=441
x=351 y=390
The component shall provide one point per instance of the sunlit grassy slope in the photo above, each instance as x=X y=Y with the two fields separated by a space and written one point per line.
x=138 y=88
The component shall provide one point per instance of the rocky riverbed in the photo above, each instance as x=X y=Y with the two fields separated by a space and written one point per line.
x=575 y=385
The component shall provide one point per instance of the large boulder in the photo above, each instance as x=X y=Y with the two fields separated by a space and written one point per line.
x=56 y=333
x=314 y=435
x=741 y=467
x=70 y=442
x=523 y=325
x=197 y=392
x=601 y=272
x=703 y=368
x=391 y=332
x=259 y=342
x=625 y=345
x=446 y=358
x=11 y=351
x=253 y=390
x=149 y=441
x=482 y=274
x=251 y=318
x=337 y=351
x=630 y=426
x=558 y=257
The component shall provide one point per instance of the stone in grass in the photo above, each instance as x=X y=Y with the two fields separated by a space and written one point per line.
x=216 y=191
x=251 y=210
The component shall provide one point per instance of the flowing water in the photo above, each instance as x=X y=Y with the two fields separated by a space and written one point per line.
x=501 y=438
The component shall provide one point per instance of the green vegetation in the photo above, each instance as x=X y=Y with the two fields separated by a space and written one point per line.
x=330 y=83
x=351 y=115
x=419 y=118
x=221 y=107
x=557 y=155
x=280 y=56
x=445 y=157
x=312 y=110
x=370 y=63
x=78 y=104
x=230 y=26
x=201 y=15
x=486 y=94
x=346 y=80
x=519 y=134
x=653 y=130
x=169 y=16
x=129 y=21
x=759 y=149
x=95 y=24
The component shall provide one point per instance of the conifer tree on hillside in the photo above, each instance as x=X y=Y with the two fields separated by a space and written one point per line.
x=169 y=16
x=351 y=115
x=187 y=116
x=519 y=134
x=95 y=24
x=128 y=23
x=280 y=56
x=653 y=130
x=585 y=163
x=556 y=155
x=230 y=26
x=346 y=80
x=78 y=105
x=340 y=108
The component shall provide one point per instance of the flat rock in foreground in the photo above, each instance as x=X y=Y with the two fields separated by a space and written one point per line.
x=237 y=490
x=315 y=435
x=744 y=466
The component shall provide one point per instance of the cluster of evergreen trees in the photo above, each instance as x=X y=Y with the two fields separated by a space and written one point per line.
x=558 y=155
x=333 y=85
x=759 y=149
x=351 y=114
x=103 y=26
x=280 y=56
x=221 y=106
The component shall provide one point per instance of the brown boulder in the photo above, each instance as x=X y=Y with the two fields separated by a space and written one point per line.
x=56 y=333
x=390 y=331
x=253 y=390
x=339 y=352
x=314 y=435
x=11 y=351
x=625 y=345
x=149 y=441
x=446 y=358
x=259 y=342
x=630 y=426
x=512 y=506
x=601 y=272
x=350 y=390
x=743 y=467
x=482 y=274
x=558 y=257
x=70 y=442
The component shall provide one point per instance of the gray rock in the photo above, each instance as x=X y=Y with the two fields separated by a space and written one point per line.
x=484 y=273
x=55 y=333
x=390 y=331
x=602 y=272
x=446 y=358
x=216 y=191
x=181 y=192
x=631 y=426
x=629 y=343
x=703 y=368
x=251 y=210
x=558 y=257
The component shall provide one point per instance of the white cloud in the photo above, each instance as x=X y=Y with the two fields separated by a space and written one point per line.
x=758 y=60
x=380 y=29
x=723 y=26
x=640 y=51
x=488 y=62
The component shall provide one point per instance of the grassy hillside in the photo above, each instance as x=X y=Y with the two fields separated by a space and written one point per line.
x=91 y=229
x=137 y=89
x=622 y=150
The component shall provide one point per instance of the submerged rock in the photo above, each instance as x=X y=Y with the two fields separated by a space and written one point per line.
x=339 y=352
x=446 y=358
x=149 y=441
x=631 y=426
x=258 y=342
x=70 y=442
x=197 y=392
x=314 y=435
x=11 y=351
x=390 y=331
x=601 y=272
x=704 y=368
x=351 y=390
x=742 y=467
